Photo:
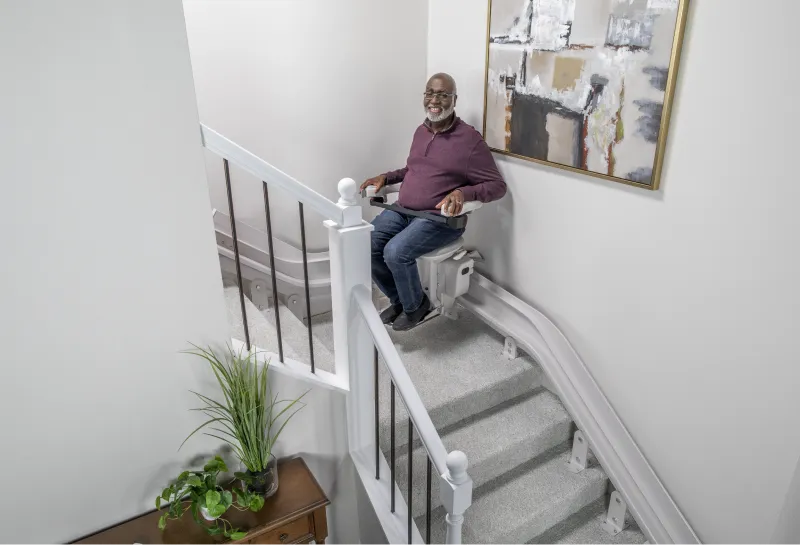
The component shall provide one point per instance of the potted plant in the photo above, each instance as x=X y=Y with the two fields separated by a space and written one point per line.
x=249 y=418
x=200 y=493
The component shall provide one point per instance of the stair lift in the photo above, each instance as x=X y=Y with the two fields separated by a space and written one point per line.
x=445 y=272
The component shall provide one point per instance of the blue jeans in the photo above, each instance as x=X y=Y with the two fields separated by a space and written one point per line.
x=397 y=241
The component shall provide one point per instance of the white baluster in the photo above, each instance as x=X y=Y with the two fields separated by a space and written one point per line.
x=456 y=494
x=349 y=248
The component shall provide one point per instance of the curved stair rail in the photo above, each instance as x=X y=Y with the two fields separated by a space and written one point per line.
x=655 y=511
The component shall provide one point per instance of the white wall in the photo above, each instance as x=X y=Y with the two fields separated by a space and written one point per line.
x=788 y=528
x=318 y=433
x=683 y=303
x=109 y=263
x=322 y=90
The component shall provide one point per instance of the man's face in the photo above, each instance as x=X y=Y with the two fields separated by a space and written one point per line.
x=439 y=101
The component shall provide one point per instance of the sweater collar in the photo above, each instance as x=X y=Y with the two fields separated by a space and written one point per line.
x=455 y=120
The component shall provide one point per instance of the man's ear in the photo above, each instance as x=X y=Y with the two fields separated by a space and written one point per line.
x=455 y=100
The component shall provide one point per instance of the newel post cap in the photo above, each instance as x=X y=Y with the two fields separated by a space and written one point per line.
x=457 y=466
x=347 y=192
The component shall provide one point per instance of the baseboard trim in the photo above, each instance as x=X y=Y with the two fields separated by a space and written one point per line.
x=648 y=500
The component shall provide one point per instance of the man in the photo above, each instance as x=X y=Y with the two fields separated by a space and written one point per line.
x=448 y=165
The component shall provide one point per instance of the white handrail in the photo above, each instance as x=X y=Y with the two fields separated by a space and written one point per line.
x=342 y=212
x=402 y=381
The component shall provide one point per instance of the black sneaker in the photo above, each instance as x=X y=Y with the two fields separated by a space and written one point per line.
x=408 y=321
x=389 y=315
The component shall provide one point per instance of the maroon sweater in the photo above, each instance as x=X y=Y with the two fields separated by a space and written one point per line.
x=456 y=158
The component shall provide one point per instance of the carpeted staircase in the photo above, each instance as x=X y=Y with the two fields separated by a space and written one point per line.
x=516 y=434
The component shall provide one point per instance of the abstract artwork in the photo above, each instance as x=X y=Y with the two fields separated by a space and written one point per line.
x=584 y=85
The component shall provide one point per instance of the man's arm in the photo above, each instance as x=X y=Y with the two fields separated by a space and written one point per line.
x=396 y=176
x=486 y=184
x=393 y=177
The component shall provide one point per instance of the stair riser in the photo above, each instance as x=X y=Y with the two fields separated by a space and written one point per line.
x=563 y=528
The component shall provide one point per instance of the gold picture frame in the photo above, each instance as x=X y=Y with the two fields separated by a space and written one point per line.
x=663 y=125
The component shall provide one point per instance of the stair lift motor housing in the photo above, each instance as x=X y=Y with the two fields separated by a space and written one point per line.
x=444 y=277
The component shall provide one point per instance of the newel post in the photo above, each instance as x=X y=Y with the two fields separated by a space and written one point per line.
x=455 y=489
x=349 y=248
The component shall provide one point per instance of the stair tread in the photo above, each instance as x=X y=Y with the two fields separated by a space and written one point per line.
x=459 y=371
x=263 y=332
x=495 y=442
x=525 y=503
x=592 y=532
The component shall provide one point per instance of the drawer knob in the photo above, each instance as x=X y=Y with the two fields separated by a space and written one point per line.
x=283 y=537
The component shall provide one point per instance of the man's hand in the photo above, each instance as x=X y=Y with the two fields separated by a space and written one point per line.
x=453 y=203
x=377 y=181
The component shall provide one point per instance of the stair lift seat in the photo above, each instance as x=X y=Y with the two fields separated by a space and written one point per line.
x=444 y=272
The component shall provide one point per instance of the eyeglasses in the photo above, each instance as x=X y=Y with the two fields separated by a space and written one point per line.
x=439 y=95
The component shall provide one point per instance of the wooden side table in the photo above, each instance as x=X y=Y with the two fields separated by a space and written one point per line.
x=295 y=514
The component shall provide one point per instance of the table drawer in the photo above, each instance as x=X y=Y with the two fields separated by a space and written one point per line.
x=297 y=531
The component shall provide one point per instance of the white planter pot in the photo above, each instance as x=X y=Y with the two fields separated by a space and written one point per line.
x=204 y=512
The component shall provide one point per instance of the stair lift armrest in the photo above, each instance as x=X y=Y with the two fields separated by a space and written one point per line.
x=466 y=208
x=379 y=199
x=369 y=192
x=457 y=222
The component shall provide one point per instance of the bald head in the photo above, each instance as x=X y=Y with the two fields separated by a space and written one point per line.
x=446 y=80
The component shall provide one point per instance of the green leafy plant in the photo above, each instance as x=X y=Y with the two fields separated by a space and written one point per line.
x=249 y=417
x=198 y=491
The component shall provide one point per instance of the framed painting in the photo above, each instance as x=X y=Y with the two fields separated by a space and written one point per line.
x=584 y=85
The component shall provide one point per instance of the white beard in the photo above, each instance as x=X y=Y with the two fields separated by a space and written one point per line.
x=434 y=118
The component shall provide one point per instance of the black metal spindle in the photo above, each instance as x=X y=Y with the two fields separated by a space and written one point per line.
x=305 y=276
x=236 y=252
x=410 y=473
x=391 y=484
x=428 y=507
x=377 y=423
x=273 y=273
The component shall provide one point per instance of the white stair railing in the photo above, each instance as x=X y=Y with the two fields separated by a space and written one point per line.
x=358 y=333
x=344 y=214
x=455 y=486
x=348 y=214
